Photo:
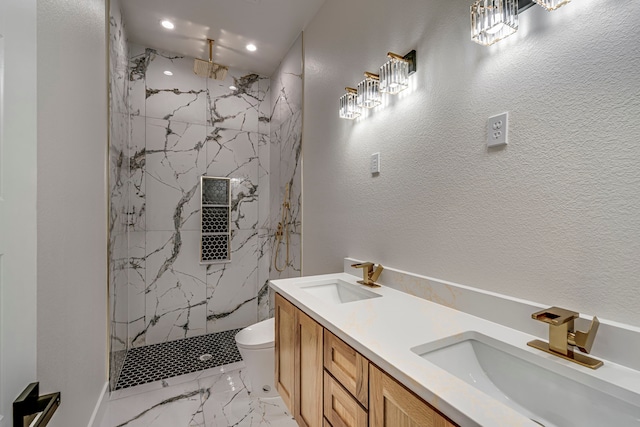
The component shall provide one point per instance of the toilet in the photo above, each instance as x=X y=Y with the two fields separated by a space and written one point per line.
x=256 y=344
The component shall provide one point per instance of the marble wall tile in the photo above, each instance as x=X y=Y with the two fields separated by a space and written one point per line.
x=264 y=167
x=232 y=287
x=180 y=127
x=285 y=164
x=137 y=254
x=234 y=154
x=175 y=293
x=239 y=109
x=139 y=58
x=264 y=109
x=174 y=161
x=118 y=180
x=136 y=212
x=179 y=97
x=118 y=287
x=264 y=263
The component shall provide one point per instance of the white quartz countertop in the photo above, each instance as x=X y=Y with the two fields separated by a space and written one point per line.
x=385 y=329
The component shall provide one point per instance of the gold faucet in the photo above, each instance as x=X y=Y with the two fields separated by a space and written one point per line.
x=369 y=276
x=562 y=335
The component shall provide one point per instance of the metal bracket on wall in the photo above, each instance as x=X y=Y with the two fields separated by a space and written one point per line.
x=524 y=5
x=32 y=410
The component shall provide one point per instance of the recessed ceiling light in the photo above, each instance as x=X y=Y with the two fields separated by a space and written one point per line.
x=233 y=87
x=251 y=47
x=167 y=24
x=168 y=73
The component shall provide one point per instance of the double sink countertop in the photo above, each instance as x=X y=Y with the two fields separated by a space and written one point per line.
x=386 y=328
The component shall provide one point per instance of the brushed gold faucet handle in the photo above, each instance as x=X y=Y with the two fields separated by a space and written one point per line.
x=584 y=340
x=376 y=274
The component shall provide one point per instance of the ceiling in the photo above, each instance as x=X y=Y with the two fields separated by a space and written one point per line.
x=272 y=25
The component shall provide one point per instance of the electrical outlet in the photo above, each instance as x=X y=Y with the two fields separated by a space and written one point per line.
x=497 y=130
x=375 y=163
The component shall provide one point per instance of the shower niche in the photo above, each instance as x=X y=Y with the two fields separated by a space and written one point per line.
x=215 y=230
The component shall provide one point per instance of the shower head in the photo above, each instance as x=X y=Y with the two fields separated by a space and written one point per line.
x=208 y=68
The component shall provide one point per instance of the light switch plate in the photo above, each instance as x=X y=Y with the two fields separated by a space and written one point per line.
x=375 y=163
x=497 y=130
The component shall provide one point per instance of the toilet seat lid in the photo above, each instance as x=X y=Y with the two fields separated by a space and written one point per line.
x=260 y=335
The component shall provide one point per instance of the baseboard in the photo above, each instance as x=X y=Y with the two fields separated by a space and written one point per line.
x=101 y=406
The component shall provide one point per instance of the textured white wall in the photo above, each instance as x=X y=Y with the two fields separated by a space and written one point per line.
x=72 y=245
x=554 y=217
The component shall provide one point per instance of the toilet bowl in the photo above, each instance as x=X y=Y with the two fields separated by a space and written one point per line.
x=256 y=344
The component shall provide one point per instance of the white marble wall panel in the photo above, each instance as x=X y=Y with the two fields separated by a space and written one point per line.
x=137 y=286
x=264 y=263
x=238 y=109
x=118 y=183
x=234 y=154
x=264 y=159
x=232 y=287
x=171 y=144
x=136 y=213
x=175 y=160
x=264 y=109
x=179 y=97
x=175 y=295
x=285 y=167
x=139 y=58
x=119 y=297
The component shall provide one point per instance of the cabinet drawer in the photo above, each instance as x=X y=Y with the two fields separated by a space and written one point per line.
x=340 y=408
x=348 y=366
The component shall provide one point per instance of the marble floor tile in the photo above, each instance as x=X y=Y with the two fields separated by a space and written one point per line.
x=217 y=400
x=179 y=406
x=227 y=402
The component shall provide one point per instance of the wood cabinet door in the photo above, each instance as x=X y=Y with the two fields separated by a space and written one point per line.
x=348 y=366
x=285 y=350
x=392 y=405
x=308 y=391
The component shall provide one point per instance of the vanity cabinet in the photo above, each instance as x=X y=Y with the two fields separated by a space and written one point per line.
x=326 y=383
x=298 y=372
x=285 y=350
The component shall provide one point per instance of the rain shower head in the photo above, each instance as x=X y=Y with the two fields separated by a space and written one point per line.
x=208 y=68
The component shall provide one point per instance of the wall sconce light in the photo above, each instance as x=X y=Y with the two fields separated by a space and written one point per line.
x=348 y=104
x=551 y=4
x=493 y=20
x=369 y=91
x=394 y=74
x=393 y=78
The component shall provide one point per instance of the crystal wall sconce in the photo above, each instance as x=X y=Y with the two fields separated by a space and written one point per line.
x=393 y=79
x=348 y=104
x=551 y=4
x=494 y=20
x=394 y=74
x=369 y=91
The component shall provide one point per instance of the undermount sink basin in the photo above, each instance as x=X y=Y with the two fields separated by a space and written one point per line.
x=541 y=389
x=337 y=291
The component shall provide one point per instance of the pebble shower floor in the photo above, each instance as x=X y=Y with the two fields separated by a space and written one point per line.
x=156 y=362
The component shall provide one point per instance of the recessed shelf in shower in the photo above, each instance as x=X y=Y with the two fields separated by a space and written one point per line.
x=215 y=230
